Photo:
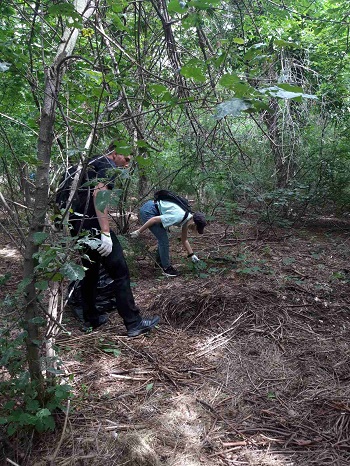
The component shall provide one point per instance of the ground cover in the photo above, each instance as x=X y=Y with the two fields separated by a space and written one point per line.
x=250 y=365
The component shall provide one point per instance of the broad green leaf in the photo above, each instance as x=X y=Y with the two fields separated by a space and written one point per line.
x=231 y=107
x=243 y=90
x=93 y=243
x=95 y=75
x=73 y=271
x=67 y=10
x=229 y=80
x=189 y=71
x=142 y=143
x=64 y=9
x=177 y=6
x=238 y=40
x=44 y=412
x=122 y=147
x=284 y=43
x=157 y=89
x=192 y=20
x=143 y=161
x=39 y=237
x=42 y=285
x=290 y=88
x=116 y=195
x=102 y=199
x=37 y=320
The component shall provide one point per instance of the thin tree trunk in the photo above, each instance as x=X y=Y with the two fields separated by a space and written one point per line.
x=53 y=79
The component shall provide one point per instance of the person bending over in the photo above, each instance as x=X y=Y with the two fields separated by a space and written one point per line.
x=158 y=217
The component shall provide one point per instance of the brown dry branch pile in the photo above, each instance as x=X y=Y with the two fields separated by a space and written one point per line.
x=250 y=365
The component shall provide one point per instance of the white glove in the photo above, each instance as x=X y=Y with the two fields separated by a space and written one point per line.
x=135 y=234
x=194 y=259
x=106 y=245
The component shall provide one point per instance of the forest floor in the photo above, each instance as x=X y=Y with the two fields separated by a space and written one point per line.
x=249 y=365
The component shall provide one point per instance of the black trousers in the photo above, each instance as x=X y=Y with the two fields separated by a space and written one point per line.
x=116 y=266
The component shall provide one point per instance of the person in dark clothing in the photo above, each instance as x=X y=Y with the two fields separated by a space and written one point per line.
x=101 y=246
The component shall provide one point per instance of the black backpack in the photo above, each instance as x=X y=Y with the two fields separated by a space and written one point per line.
x=165 y=195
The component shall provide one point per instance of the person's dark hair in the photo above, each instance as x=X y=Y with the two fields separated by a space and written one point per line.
x=200 y=221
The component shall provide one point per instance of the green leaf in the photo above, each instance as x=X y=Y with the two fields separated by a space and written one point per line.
x=32 y=405
x=102 y=199
x=5 y=278
x=275 y=91
x=42 y=285
x=284 y=43
x=37 y=320
x=229 y=80
x=122 y=147
x=44 y=412
x=142 y=161
x=67 y=10
x=238 y=40
x=143 y=144
x=63 y=9
x=73 y=271
x=290 y=88
x=157 y=89
x=192 y=72
x=176 y=6
x=231 y=107
x=149 y=387
x=39 y=237
x=114 y=351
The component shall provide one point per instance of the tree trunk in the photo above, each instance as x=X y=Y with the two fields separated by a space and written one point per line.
x=53 y=79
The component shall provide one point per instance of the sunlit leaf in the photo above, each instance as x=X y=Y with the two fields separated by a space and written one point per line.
x=195 y=73
x=4 y=66
x=73 y=271
x=276 y=91
x=231 y=107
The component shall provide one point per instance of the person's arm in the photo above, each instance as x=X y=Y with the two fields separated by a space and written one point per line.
x=184 y=240
x=149 y=223
x=102 y=217
x=186 y=244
